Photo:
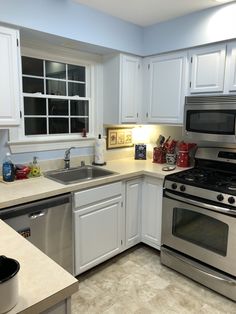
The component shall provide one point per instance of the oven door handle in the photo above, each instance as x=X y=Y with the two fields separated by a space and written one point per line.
x=215 y=208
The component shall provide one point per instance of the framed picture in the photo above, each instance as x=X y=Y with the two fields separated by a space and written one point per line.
x=119 y=137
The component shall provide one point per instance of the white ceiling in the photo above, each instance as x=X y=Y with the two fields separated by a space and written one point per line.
x=148 y=12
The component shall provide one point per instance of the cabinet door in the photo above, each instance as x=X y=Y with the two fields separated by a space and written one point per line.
x=133 y=212
x=9 y=77
x=166 y=88
x=207 y=69
x=130 y=89
x=152 y=211
x=97 y=233
x=231 y=67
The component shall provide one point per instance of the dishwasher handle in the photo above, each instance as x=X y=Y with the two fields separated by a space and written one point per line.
x=38 y=214
x=35 y=206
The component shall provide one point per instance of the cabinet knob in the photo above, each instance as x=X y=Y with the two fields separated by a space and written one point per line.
x=146 y=114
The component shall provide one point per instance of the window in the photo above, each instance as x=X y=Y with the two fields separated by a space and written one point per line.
x=54 y=98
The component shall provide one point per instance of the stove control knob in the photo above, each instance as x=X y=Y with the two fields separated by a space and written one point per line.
x=174 y=186
x=231 y=200
x=220 y=197
x=182 y=188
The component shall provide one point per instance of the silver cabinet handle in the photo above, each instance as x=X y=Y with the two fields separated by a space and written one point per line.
x=38 y=214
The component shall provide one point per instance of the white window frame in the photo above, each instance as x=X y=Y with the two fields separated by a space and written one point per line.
x=20 y=143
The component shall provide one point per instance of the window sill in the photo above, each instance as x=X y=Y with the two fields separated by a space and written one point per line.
x=38 y=145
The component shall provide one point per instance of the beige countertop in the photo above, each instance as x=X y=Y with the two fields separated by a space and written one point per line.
x=42 y=282
x=23 y=191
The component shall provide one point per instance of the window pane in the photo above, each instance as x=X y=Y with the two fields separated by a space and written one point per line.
x=55 y=69
x=32 y=66
x=32 y=85
x=58 y=107
x=76 y=89
x=58 y=125
x=79 y=108
x=34 y=126
x=78 y=124
x=76 y=73
x=34 y=106
x=55 y=88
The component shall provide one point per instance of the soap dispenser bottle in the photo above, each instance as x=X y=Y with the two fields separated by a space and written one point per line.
x=35 y=168
x=8 y=171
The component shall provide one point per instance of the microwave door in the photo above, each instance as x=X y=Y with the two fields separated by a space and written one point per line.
x=210 y=124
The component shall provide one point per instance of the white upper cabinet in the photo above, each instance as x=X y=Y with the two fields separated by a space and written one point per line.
x=131 y=89
x=165 y=86
x=122 y=78
x=231 y=68
x=207 y=69
x=10 y=77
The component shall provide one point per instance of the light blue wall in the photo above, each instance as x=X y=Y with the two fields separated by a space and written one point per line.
x=74 y=21
x=204 y=27
x=25 y=158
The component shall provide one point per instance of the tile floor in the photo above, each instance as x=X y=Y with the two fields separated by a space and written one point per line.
x=136 y=282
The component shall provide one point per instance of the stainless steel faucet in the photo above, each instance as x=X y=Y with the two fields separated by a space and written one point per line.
x=67 y=157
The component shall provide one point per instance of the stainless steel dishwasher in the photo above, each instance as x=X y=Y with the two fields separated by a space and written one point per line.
x=47 y=224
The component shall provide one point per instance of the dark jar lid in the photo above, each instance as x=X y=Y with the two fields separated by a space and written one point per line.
x=9 y=267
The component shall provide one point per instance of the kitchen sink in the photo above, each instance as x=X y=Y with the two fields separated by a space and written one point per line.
x=78 y=174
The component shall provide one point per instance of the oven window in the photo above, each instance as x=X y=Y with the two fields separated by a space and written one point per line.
x=211 y=121
x=202 y=230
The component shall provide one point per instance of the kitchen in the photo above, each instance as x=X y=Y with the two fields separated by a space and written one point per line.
x=52 y=32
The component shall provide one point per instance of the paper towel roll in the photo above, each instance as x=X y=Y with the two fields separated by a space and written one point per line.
x=99 y=150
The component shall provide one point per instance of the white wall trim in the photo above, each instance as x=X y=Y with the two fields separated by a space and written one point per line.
x=46 y=145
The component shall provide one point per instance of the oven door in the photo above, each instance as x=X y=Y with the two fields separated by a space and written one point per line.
x=188 y=226
x=210 y=123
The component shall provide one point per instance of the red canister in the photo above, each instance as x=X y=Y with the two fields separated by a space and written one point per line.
x=183 y=156
x=159 y=155
x=183 y=159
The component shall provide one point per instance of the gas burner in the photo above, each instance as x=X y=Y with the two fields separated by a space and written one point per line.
x=189 y=178
x=232 y=187
x=194 y=176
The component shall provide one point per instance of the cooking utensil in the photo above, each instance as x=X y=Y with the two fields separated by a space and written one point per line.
x=9 y=268
x=162 y=140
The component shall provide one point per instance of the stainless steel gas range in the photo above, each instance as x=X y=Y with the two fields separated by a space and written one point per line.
x=199 y=220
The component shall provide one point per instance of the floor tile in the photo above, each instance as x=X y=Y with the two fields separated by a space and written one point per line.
x=136 y=282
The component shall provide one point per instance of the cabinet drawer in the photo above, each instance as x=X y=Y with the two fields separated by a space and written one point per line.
x=93 y=195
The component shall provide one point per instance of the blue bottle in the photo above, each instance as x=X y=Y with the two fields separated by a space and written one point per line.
x=8 y=173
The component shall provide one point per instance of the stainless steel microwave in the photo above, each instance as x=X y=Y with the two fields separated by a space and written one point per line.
x=210 y=118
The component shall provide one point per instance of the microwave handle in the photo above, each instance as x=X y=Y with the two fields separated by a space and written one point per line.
x=215 y=208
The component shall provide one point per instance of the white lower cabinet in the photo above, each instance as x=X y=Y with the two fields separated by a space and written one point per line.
x=152 y=211
x=97 y=224
x=114 y=217
x=133 y=202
